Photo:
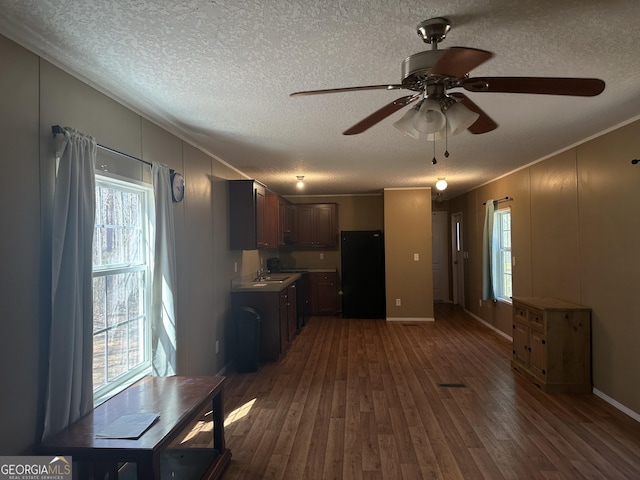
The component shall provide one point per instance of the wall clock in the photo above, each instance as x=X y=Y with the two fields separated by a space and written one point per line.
x=177 y=186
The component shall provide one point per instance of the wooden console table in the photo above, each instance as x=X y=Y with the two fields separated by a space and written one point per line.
x=179 y=401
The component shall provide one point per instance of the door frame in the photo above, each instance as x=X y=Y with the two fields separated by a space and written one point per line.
x=457 y=258
x=442 y=256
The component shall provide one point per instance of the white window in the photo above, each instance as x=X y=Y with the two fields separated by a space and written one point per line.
x=121 y=286
x=502 y=274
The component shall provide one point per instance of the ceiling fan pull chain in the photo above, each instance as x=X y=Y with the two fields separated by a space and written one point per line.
x=446 y=138
x=434 y=161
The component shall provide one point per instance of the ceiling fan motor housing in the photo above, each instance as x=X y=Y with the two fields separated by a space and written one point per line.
x=416 y=68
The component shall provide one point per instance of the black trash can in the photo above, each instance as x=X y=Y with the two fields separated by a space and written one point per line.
x=247 y=322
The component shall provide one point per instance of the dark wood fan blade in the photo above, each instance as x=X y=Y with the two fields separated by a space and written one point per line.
x=581 y=87
x=381 y=114
x=484 y=123
x=458 y=61
x=346 y=89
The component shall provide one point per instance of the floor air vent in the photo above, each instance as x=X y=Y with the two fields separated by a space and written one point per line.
x=409 y=324
x=452 y=385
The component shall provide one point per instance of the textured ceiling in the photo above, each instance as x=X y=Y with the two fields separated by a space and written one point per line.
x=219 y=73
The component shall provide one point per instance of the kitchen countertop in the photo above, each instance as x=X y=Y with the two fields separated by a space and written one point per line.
x=305 y=270
x=274 y=282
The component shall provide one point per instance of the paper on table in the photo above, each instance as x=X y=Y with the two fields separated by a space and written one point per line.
x=129 y=426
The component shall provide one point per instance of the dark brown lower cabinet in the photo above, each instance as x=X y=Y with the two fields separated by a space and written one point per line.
x=324 y=295
x=278 y=318
x=288 y=316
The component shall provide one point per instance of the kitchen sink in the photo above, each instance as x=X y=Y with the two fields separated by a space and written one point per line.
x=274 y=279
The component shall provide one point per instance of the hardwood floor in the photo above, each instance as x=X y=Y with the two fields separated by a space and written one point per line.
x=369 y=399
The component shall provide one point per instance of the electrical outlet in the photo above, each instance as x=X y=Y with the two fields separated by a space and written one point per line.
x=398 y=302
x=217 y=346
x=513 y=260
x=416 y=257
x=321 y=256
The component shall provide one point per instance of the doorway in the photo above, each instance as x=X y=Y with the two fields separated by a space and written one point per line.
x=457 y=259
x=440 y=266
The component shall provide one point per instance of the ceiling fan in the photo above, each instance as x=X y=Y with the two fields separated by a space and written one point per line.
x=430 y=74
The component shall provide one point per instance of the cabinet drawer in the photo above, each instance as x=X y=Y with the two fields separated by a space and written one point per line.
x=520 y=312
x=536 y=318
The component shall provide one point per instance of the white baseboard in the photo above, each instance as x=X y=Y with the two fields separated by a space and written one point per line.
x=223 y=370
x=486 y=324
x=617 y=405
x=606 y=398
x=410 y=319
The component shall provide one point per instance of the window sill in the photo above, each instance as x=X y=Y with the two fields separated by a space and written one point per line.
x=120 y=387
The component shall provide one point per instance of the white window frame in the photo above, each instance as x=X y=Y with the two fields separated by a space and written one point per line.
x=502 y=290
x=123 y=380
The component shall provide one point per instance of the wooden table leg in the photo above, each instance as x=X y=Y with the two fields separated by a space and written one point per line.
x=148 y=467
x=218 y=422
x=105 y=470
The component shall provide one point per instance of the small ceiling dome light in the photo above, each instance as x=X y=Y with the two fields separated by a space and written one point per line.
x=441 y=184
x=300 y=183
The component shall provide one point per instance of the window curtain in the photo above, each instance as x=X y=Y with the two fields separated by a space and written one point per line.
x=163 y=313
x=70 y=384
x=487 y=252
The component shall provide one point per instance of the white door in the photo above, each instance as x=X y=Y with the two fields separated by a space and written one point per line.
x=440 y=251
x=457 y=259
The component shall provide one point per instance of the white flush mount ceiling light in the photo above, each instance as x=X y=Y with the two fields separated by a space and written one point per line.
x=300 y=183
x=441 y=184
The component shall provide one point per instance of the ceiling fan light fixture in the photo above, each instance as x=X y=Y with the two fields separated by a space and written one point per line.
x=439 y=135
x=405 y=124
x=460 y=118
x=431 y=118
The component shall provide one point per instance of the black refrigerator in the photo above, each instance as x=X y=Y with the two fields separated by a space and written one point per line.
x=363 y=290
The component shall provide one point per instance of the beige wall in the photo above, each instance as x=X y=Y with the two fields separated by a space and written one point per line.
x=34 y=96
x=576 y=231
x=609 y=262
x=21 y=299
x=407 y=231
